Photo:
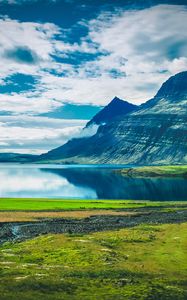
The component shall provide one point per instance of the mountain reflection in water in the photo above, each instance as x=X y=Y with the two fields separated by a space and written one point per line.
x=85 y=182
x=108 y=184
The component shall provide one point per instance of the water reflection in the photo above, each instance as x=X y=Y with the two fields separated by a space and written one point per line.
x=33 y=183
x=87 y=183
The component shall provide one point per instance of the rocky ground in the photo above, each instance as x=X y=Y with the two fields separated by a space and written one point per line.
x=18 y=231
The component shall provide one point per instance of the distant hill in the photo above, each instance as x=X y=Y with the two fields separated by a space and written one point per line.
x=154 y=133
x=16 y=157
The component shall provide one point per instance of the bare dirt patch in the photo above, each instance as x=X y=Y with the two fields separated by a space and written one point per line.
x=22 y=216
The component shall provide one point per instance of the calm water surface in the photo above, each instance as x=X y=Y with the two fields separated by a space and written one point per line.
x=88 y=182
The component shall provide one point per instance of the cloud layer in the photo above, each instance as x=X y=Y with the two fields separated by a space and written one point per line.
x=23 y=134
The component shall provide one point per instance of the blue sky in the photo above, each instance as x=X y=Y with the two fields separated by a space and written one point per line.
x=61 y=61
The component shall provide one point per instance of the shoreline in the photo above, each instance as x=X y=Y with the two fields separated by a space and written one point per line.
x=155 y=171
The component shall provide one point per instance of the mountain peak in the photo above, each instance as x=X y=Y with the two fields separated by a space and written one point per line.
x=116 y=99
x=174 y=87
x=115 y=108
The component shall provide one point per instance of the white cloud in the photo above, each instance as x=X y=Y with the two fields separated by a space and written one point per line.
x=147 y=45
x=35 y=134
x=37 y=43
x=88 y=131
x=36 y=37
x=22 y=103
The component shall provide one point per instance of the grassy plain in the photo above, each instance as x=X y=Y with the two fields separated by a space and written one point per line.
x=24 y=204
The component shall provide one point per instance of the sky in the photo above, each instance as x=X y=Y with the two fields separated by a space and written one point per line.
x=61 y=61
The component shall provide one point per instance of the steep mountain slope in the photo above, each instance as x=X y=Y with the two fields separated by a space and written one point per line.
x=115 y=108
x=156 y=133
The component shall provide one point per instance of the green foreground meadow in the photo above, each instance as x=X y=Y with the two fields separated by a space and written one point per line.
x=146 y=262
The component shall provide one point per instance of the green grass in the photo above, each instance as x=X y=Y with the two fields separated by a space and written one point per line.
x=145 y=262
x=155 y=171
x=67 y=204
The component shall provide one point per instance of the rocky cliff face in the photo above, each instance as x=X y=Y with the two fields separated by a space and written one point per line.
x=156 y=133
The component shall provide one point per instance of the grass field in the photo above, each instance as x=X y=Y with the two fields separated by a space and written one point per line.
x=22 y=204
x=156 y=171
x=145 y=262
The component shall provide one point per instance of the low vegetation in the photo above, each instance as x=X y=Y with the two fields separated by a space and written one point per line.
x=156 y=171
x=144 y=262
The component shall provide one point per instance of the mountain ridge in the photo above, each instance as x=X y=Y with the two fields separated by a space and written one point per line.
x=155 y=133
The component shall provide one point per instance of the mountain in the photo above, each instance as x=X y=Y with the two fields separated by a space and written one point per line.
x=114 y=109
x=155 y=133
x=110 y=113
x=16 y=157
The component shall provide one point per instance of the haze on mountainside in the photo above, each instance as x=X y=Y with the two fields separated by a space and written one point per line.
x=62 y=61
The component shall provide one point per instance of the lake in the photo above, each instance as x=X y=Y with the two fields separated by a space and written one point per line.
x=86 y=182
